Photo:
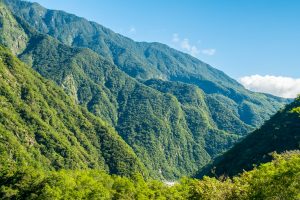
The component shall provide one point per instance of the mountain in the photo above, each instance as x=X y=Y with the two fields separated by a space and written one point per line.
x=94 y=123
x=146 y=61
x=41 y=126
x=153 y=123
x=280 y=133
x=174 y=127
x=156 y=120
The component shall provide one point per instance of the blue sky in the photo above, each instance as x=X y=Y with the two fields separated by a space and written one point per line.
x=240 y=37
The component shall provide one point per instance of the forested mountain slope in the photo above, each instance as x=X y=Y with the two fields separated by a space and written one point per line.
x=174 y=127
x=153 y=123
x=41 y=126
x=148 y=60
x=280 y=133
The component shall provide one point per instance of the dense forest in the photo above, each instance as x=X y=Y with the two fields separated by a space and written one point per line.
x=278 y=179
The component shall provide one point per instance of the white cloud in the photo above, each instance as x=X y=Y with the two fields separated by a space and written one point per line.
x=132 y=30
x=209 y=52
x=185 y=45
x=277 y=85
x=175 y=38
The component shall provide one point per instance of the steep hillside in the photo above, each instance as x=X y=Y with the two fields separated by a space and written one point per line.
x=172 y=135
x=41 y=126
x=156 y=125
x=11 y=35
x=281 y=133
x=148 y=60
x=153 y=123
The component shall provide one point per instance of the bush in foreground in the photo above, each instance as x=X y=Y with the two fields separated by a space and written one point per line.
x=279 y=179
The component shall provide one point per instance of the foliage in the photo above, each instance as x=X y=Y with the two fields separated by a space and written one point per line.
x=278 y=179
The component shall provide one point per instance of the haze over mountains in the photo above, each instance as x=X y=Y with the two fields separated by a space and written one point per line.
x=175 y=112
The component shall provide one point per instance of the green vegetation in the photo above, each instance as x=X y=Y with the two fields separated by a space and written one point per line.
x=173 y=127
x=12 y=34
x=40 y=126
x=279 y=134
x=278 y=179
x=165 y=114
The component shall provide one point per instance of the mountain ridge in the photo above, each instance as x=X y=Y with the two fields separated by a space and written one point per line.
x=172 y=135
x=140 y=60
